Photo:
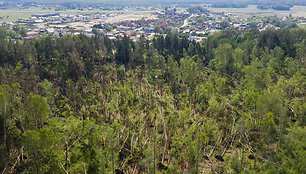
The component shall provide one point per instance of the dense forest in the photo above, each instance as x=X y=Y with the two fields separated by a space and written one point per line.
x=229 y=5
x=234 y=103
x=275 y=7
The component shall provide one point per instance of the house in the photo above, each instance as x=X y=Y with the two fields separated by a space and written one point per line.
x=192 y=38
x=32 y=33
x=45 y=15
x=89 y=34
x=60 y=32
x=87 y=30
x=149 y=29
x=50 y=30
x=38 y=21
x=28 y=38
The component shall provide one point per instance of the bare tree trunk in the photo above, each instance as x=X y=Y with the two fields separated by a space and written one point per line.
x=113 y=162
x=66 y=165
x=154 y=144
x=36 y=164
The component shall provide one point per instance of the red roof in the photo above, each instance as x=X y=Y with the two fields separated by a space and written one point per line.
x=31 y=33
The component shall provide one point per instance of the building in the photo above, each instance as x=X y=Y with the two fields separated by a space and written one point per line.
x=45 y=15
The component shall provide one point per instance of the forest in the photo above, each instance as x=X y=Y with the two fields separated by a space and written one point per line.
x=233 y=103
x=275 y=7
x=229 y=5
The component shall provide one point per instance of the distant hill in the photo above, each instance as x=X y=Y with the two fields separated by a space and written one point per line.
x=123 y=2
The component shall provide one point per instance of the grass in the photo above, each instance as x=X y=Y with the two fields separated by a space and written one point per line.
x=252 y=10
x=302 y=25
x=131 y=15
x=15 y=13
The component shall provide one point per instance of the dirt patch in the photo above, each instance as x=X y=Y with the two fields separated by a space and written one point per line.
x=130 y=16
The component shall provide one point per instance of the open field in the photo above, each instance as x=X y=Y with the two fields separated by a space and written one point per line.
x=252 y=10
x=303 y=25
x=128 y=15
x=15 y=13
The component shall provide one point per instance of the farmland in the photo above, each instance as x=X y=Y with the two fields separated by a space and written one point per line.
x=16 y=13
x=252 y=10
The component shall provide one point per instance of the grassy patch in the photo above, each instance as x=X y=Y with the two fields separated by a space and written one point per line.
x=13 y=14
x=302 y=25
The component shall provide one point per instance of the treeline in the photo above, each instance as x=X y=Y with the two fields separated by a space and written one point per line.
x=280 y=2
x=196 y=9
x=288 y=24
x=7 y=32
x=275 y=7
x=233 y=103
x=229 y=5
x=73 y=4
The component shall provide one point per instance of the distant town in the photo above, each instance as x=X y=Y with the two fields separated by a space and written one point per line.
x=195 y=22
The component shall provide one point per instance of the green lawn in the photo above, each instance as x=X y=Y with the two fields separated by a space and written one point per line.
x=15 y=13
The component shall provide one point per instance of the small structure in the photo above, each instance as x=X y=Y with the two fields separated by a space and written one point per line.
x=45 y=15
x=32 y=33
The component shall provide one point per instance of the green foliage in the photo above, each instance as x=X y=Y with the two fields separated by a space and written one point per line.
x=37 y=111
x=196 y=9
x=234 y=103
x=290 y=155
x=200 y=20
x=224 y=59
x=43 y=147
x=189 y=71
x=224 y=24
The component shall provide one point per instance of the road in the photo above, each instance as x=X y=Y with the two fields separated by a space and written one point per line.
x=186 y=21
